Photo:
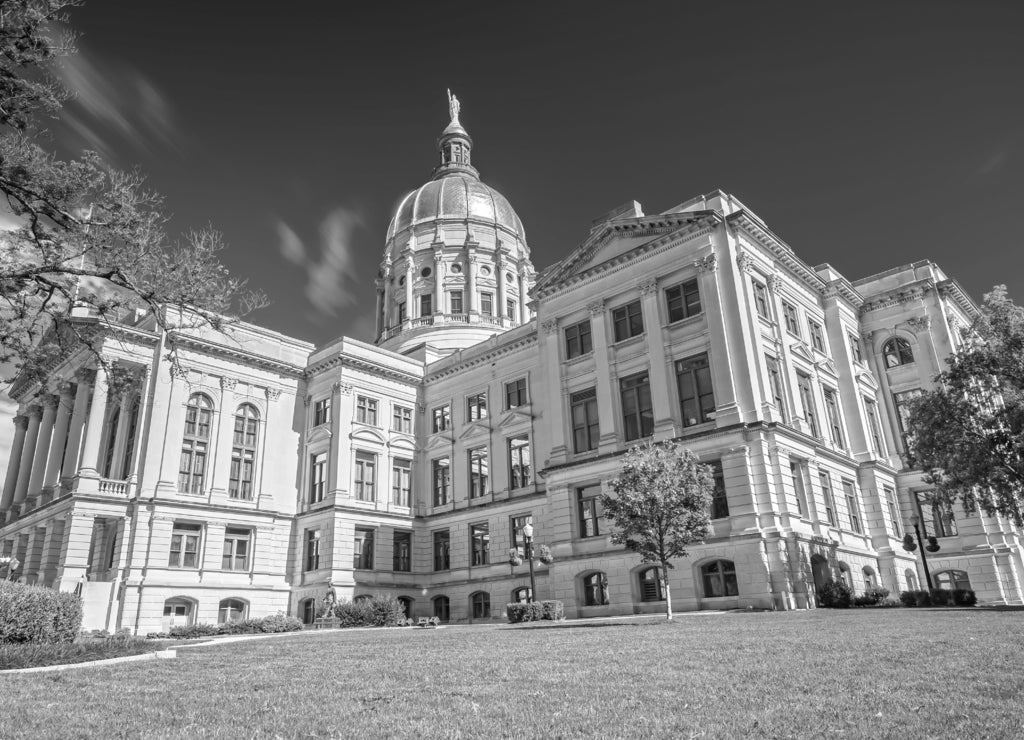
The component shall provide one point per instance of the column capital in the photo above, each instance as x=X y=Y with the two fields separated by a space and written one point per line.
x=708 y=264
x=550 y=326
x=596 y=308
x=745 y=263
x=273 y=393
x=85 y=374
x=649 y=287
x=34 y=409
x=920 y=323
x=20 y=422
x=228 y=384
x=62 y=388
x=774 y=282
x=49 y=400
x=179 y=371
x=342 y=387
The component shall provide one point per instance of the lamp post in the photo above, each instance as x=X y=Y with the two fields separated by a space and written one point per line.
x=528 y=540
x=933 y=546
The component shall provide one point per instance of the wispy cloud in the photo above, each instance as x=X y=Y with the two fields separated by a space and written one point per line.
x=993 y=164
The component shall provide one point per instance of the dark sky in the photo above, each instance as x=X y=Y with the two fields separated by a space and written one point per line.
x=866 y=134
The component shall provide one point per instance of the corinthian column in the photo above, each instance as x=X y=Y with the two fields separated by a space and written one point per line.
x=60 y=436
x=94 y=428
x=13 y=464
x=73 y=448
x=35 y=482
x=27 y=454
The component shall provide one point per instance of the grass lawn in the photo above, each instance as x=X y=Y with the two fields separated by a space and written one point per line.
x=906 y=673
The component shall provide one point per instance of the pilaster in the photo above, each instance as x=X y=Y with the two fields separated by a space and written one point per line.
x=664 y=427
x=49 y=402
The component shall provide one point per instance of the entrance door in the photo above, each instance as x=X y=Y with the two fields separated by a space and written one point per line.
x=176 y=614
x=819 y=569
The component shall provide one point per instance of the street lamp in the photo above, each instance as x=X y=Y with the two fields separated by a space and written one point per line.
x=933 y=546
x=528 y=540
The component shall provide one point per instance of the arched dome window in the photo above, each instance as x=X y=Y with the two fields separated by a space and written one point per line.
x=896 y=352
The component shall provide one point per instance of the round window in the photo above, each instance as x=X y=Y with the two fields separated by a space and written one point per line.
x=508 y=277
x=401 y=280
x=425 y=272
x=456 y=267
x=485 y=270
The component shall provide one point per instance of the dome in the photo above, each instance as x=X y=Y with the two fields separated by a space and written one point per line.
x=457 y=196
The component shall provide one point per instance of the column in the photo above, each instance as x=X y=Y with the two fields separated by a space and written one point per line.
x=470 y=300
x=661 y=399
x=551 y=367
x=27 y=454
x=499 y=267
x=59 y=438
x=605 y=396
x=523 y=318
x=170 y=444
x=94 y=428
x=714 y=298
x=85 y=377
x=389 y=275
x=438 y=282
x=76 y=544
x=379 y=312
x=124 y=421
x=43 y=442
x=219 y=453
x=14 y=463
x=409 y=276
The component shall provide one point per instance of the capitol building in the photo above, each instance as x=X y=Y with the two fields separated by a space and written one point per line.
x=237 y=474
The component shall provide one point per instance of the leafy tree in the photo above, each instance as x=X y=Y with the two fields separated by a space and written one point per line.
x=968 y=433
x=661 y=505
x=91 y=241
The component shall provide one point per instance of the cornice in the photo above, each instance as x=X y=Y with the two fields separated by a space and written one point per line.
x=249 y=358
x=782 y=252
x=347 y=359
x=499 y=351
x=899 y=295
x=950 y=288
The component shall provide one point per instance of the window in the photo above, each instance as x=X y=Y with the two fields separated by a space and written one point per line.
x=894 y=514
x=362 y=549
x=578 y=340
x=312 y=549
x=851 y=505
x=904 y=402
x=110 y=432
x=516 y=524
x=487 y=304
x=406 y=603
x=476 y=406
x=236 y=549
x=515 y=393
x=129 y=445
x=307 y=608
x=510 y=308
x=951 y=579
x=455 y=300
x=478 y=472
x=845 y=575
x=832 y=412
x=401 y=419
x=366 y=476
x=897 y=352
x=480 y=542
x=939 y=517
x=185 y=545
x=322 y=412
x=803 y=383
x=442 y=549
x=595 y=589
x=775 y=383
x=585 y=431
x=441 y=607
x=519 y=462
x=817 y=335
x=826 y=492
x=403 y=313
x=426 y=305
x=650 y=585
x=719 y=497
x=481 y=604
x=789 y=317
x=637 y=412
x=317 y=477
x=194 y=444
x=719 y=577
x=231 y=610
x=243 y=452
x=869 y=577
x=401 y=552
x=683 y=301
x=522 y=595
x=855 y=353
x=696 y=394
x=911 y=577
x=366 y=410
x=627 y=321
x=761 y=300
x=401 y=482
x=589 y=502
x=796 y=469
x=442 y=480
x=877 y=442
x=441 y=418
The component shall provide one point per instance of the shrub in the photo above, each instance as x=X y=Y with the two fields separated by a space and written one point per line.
x=377 y=611
x=279 y=622
x=835 y=595
x=518 y=612
x=908 y=598
x=890 y=602
x=964 y=597
x=941 y=597
x=863 y=600
x=553 y=609
x=877 y=594
x=37 y=614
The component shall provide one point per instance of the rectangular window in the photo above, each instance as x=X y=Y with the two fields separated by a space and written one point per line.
x=697 y=397
x=894 y=513
x=817 y=335
x=796 y=470
x=366 y=476
x=719 y=498
x=426 y=305
x=851 y=505
x=312 y=549
x=855 y=354
x=832 y=412
x=366 y=410
x=519 y=462
x=236 y=549
x=876 y=431
x=761 y=300
x=192 y=466
x=775 y=384
x=402 y=552
x=403 y=314
x=515 y=394
x=789 y=317
x=401 y=482
x=803 y=383
x=940 y=517
x=683 y=301
x=441 y=418
x=510 y=308
x=442 y=480
x=455 y=300
x=904 y=402
x=830 y=502
x=487 y=304
x=476 y=406
x=442 y=550
x=185 y=545
x=578 y=341
x=478 y=472
x=627 y=321
x=480 y=543
x=516 y=524
x=401 y=419
x=589 y=505
x=585 y=431
x=637 y=411
x=317 y=477
x=362 y=550
x=241 y=474
x=322 y=412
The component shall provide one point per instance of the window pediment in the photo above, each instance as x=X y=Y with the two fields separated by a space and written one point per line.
x=439 y=442
x=827 y=367
x=318 y=434
x=476 y=429
x=801 y=350
x=515 y=417
x=367 y=434
x=867 y=379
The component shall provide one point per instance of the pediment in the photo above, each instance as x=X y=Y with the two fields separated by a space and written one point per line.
x=515 y=417
x=366 y=434
x=828 y=367
x=867 y=379
x=318 y=434
x=801 y=350
x=439 y=441
x=402 y=443
x=476 y=429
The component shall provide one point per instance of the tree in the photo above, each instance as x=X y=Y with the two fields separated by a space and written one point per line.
x=968 y=433
x=91 y=241
x=661 y=505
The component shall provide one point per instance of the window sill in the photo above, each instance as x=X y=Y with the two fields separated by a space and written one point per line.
x=635 y=339
x=578 y=358
x=685 y=320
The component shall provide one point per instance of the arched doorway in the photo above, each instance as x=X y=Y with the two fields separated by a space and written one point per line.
x=820 y=572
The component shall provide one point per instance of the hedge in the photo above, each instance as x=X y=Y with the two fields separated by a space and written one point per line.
x=535 y=611
x=939 y=597
x=274 y=623
x=376 y=611
x=37 y=614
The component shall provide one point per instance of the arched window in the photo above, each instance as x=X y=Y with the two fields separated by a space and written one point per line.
x=178 y=612
x=243 y=451
x=521 y=595
x=897 y=352
x=845 y=575
x=406 y=603
x=195 y=444
x=719 y=577
x=950 y=579
x=481 y=605
x=231 y=610
x=911 y=577
x=595 y=589
x=869 y=578
x=441 y=608
x=307 y=610
x=650 y=585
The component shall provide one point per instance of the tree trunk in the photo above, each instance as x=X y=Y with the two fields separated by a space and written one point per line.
x=668 y=594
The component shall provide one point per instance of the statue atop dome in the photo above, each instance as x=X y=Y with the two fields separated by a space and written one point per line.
x=453 y=106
